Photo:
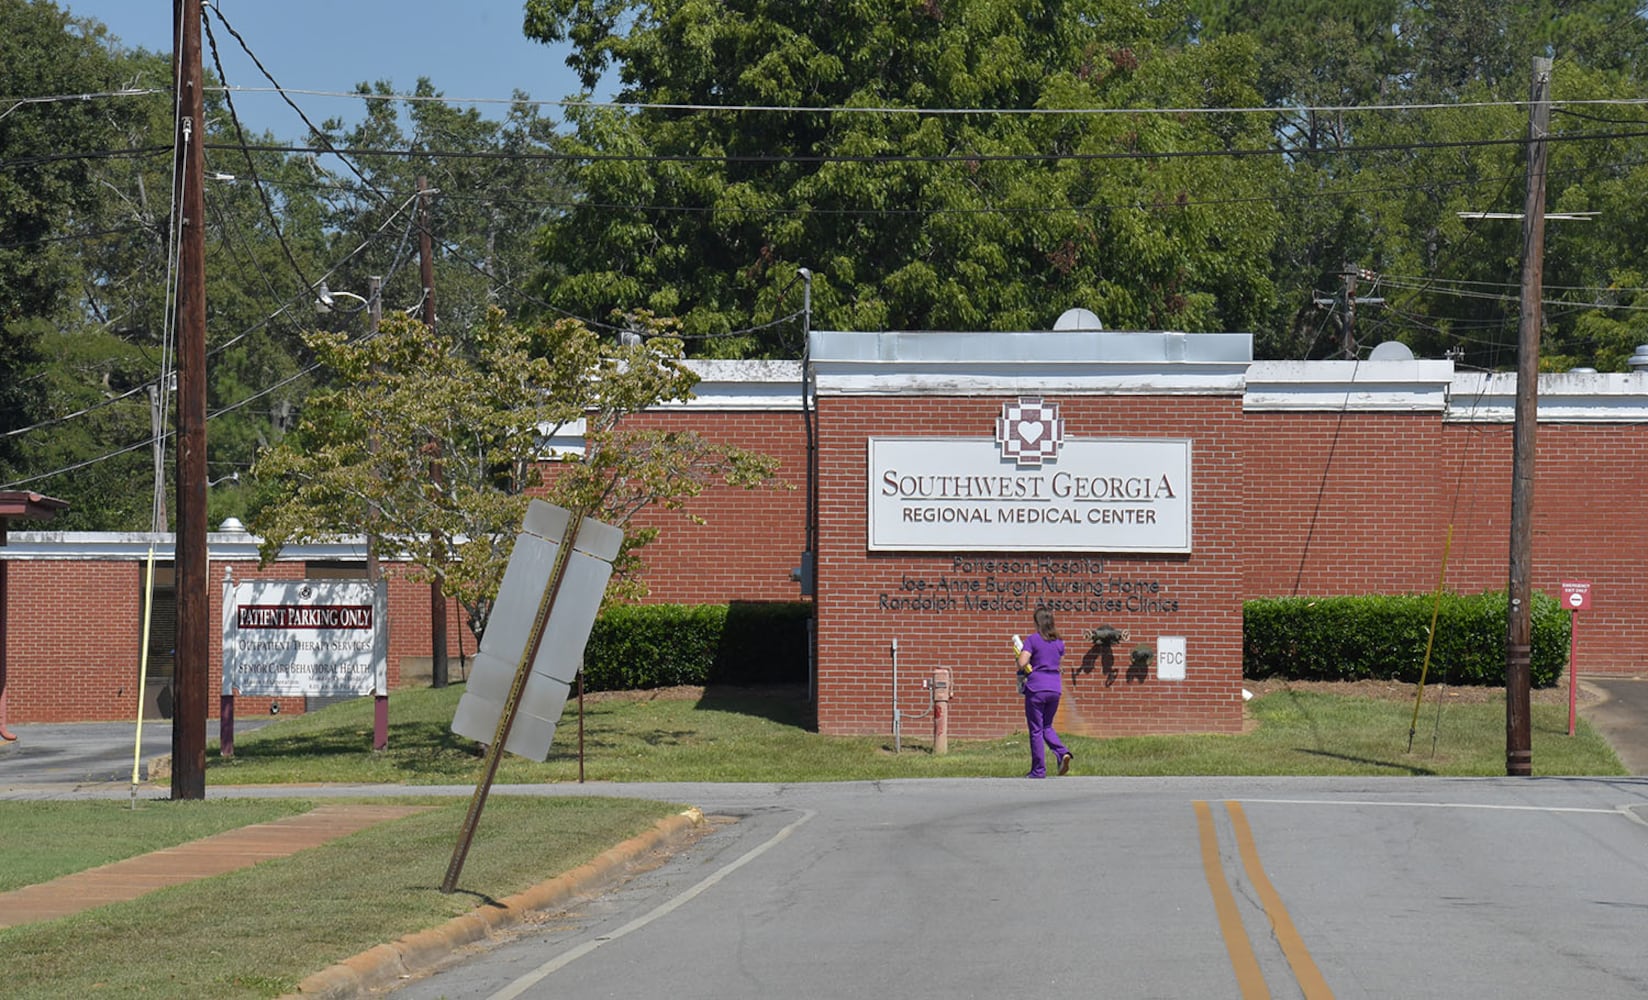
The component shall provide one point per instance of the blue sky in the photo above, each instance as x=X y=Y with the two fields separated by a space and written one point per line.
x=469 y=48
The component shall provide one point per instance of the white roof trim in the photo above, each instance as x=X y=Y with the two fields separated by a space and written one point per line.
x=1565 y=397
x=1358 y=386
x=742 y=385
x=119 y=546
x=1088 y=361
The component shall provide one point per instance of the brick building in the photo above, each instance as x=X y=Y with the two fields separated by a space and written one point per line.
x=1239 y=479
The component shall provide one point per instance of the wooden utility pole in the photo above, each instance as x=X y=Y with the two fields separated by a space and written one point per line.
x=437 y=601
x=374 y=316
x=190 y=563
x=1349 y=341
x=1519 y=629
x=1348 y=300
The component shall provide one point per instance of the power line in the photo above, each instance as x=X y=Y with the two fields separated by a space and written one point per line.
x=303 y=297
x=455 y=251
x=965 y=158
x=315 y=131
x=251 y=165
x=135 y=152
x=71 y=237
x=18 y=102
x=1460 y=293
x=898 y=110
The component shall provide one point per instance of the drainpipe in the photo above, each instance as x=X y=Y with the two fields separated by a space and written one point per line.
x=809 y=558
x=6 y=735
x=895 y=697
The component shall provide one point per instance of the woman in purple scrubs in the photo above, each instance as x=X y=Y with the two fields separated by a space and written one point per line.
x=1043 y=649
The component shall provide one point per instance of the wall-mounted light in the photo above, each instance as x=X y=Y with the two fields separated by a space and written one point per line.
x=1105 y=635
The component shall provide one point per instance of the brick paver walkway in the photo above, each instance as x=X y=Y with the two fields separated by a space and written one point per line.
x=197 y=859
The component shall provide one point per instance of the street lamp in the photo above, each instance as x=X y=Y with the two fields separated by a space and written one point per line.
x=325 y=298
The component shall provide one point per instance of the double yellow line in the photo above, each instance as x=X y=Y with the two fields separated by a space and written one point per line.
x=1242 y=959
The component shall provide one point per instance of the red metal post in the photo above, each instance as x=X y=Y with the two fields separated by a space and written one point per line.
x=380 y=722
x=1573 y=671
x=226 y=726
x=6 y=735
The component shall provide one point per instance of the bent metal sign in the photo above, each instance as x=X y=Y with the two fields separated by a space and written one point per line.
x=1029 y=489
x=314 y=638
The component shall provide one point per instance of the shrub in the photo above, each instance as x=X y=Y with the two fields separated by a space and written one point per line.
x=637 y=646
x=1383 y=636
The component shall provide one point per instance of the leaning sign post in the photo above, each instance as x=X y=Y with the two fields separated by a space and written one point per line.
x=533 y=645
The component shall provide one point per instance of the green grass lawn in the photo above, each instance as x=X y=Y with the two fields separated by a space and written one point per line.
x=259 y=931
x=760 y=736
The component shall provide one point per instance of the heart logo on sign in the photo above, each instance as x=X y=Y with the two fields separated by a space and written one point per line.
x=1030 y=431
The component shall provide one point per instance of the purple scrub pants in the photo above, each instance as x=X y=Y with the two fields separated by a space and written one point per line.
x=1039 y=709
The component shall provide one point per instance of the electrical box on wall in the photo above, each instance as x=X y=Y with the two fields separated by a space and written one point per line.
x=940 y=683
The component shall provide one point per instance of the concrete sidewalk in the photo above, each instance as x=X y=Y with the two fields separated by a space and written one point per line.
x=1620 y=715
x=224 y=852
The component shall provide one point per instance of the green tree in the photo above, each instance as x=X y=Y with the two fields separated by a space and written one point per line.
x=359 y=458
x=49 y=151
x=1383 y=188
x=99 y=354
x=494 y=184
x=989 y=218
x=86 y=357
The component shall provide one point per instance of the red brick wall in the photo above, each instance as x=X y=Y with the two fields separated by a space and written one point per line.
x=72 y=640
x=409 y=632
x=749 y=539
x=74 y=628
x=855 y=659
x=1362 y=503
x=1285 y=503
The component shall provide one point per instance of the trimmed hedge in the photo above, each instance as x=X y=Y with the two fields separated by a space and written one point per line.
x=1383 y=636
x=637 y=646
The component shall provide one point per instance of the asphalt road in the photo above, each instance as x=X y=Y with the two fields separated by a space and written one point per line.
x=1078 y=886
x=68 y=755
x=1113 y=887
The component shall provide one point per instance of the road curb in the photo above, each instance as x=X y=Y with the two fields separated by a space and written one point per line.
x=420 y=951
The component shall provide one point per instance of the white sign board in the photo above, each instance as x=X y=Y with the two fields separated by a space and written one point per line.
x=962 y=494
x=509 y=629
x=305 y=638
x=1170 y=658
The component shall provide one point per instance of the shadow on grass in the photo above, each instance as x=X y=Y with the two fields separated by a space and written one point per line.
x=784 y=704
x=1408 y=769
x=414 y=747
